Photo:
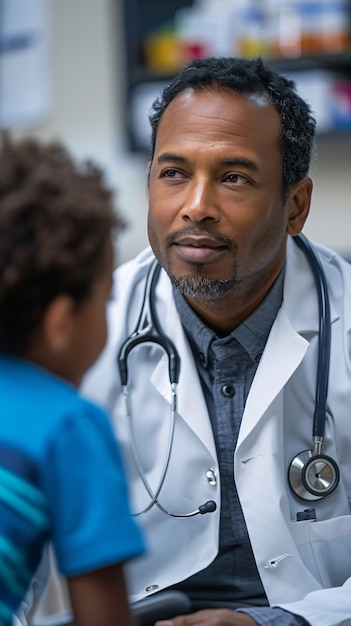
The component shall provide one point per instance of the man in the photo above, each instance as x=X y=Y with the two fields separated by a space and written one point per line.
x=228 y=191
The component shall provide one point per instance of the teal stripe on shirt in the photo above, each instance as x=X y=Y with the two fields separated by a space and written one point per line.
x=12 y=557
x=5 y=613
x=25 y=499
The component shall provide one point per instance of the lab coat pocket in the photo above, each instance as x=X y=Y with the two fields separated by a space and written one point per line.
x=325 y=548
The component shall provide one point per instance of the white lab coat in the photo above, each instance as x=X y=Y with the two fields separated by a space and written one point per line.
x=305 y=566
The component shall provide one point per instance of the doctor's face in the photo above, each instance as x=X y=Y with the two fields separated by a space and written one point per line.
x=217 y=220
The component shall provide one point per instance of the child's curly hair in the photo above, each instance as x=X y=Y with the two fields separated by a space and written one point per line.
x=55 y=221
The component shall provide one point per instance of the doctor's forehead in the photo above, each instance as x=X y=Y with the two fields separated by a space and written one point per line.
x=217 y=103
x=211 y=119
x=209 y=93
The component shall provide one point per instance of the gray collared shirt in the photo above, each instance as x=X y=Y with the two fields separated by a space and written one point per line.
x=226 y=368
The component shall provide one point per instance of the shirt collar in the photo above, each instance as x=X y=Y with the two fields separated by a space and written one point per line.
x=252 y=333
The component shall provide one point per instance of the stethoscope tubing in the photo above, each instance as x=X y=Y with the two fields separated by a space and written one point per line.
x=153 y=494
x=147 y=330
x=324 y=341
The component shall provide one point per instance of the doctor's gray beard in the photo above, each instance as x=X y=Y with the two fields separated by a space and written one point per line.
x=202 y=288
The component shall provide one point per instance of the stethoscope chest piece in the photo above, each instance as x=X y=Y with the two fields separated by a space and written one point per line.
x=313 y=476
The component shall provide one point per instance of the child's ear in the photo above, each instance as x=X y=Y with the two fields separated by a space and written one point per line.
x=57 y=324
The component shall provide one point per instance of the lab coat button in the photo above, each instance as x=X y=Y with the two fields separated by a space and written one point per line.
x=211 y=476
x=152 y=588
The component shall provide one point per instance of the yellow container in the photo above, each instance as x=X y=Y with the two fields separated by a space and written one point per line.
x=163 y=52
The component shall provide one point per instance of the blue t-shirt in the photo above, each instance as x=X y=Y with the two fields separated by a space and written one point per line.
x=61 y=480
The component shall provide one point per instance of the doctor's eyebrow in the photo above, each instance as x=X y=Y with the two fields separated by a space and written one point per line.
x=231 y=161
x=170 y=156
x=241 y=162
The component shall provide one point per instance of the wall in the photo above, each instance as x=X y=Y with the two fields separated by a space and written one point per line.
x=87 y=69
x=329 y=221
x=88 y=81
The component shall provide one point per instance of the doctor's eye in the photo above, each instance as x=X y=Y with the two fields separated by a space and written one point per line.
x=171 y=173
x=236 y=179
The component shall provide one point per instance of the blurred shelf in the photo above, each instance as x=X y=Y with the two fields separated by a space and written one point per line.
x=143 y=17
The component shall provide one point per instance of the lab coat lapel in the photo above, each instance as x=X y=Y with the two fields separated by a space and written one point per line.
x=287 y=344
x=284 y=351
x=191 y=402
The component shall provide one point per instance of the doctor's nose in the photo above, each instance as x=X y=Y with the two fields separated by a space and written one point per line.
x=200 y=203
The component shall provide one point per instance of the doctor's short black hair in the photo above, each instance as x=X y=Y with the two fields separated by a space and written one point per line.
x=251 y=77
x=55 y=221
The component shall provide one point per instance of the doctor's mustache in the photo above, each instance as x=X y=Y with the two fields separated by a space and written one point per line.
x=217 y=238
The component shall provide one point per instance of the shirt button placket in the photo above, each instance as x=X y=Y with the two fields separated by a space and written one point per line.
x=228 y=391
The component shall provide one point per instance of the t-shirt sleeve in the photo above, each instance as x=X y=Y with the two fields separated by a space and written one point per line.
x=84 y=480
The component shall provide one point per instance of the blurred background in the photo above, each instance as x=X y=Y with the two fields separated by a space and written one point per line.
x=86 y=72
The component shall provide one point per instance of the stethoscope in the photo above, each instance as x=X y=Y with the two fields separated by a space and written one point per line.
x=312 y=475
x=148 y=330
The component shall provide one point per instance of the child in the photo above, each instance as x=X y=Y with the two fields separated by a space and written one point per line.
x=61 y=477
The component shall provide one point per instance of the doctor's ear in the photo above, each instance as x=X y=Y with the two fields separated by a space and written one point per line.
x=298 y=205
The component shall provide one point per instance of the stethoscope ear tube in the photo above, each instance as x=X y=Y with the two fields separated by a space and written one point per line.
x=143 y=338
x=147 y=330
x=313 y=475
x=324 y=339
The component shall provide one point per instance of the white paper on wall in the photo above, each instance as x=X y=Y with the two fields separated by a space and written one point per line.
x=25 y=76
